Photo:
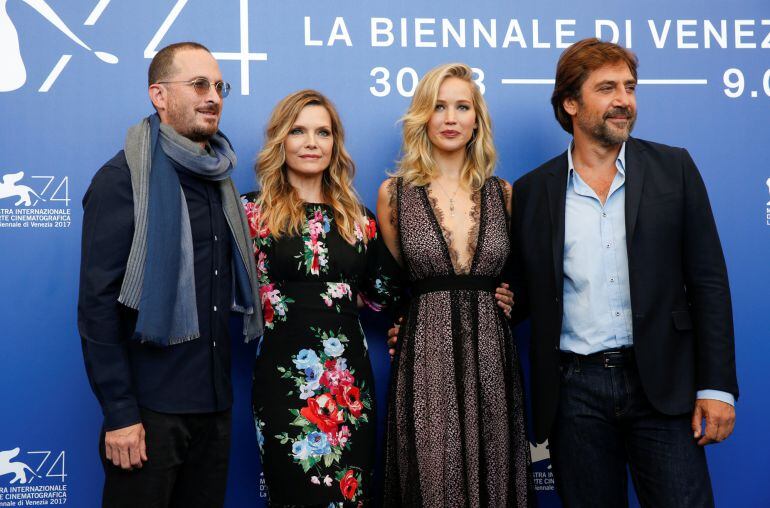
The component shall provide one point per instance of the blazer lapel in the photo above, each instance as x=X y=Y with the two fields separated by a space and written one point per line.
x=557 y=196
x=635 y=170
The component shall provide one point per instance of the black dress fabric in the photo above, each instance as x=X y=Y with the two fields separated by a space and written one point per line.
x=456 y=428
x=313 y=388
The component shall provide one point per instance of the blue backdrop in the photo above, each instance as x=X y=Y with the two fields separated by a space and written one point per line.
x=72 y=80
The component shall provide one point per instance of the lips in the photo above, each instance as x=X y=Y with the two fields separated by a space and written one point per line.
x=208 y=112
x=618 y=114
x=449 y=133
x=310 y=157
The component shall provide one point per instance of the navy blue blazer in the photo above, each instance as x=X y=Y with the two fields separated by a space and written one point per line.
x=680 y=297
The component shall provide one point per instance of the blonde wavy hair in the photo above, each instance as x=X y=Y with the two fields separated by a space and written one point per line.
x=417 y=166
x=283 y=209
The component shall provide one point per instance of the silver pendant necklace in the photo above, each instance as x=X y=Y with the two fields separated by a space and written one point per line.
x=451 y=198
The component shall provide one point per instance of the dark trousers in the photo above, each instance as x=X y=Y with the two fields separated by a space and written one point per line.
x=605 y=422
x=186 y=467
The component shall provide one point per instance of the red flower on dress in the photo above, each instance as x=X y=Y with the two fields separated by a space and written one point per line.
x=346 y=378
x=343 y=435
x=349 y=485
x=350 y=397
x=252 y=211
x=254 y=218
x=268 y=313
x=371 y=229
x=322 y=411
x=315 y=265
x=331 y=380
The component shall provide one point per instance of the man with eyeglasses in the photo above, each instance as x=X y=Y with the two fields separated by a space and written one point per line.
x=165 y=258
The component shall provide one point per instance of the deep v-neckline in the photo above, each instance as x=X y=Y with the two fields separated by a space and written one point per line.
x=474 y=235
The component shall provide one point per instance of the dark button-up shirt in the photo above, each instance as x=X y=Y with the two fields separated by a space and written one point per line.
x=191 y=377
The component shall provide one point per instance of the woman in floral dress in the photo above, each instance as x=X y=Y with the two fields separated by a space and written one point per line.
x=317 y=251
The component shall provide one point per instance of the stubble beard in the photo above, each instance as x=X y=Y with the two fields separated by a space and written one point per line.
x=184 y=122
x=608 y=135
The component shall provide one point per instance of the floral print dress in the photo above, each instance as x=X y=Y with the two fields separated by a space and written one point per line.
x=313 y=387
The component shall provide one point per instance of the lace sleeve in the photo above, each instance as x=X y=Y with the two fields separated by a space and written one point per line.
x=507 y=192
x=389 y=197
x=393 y=201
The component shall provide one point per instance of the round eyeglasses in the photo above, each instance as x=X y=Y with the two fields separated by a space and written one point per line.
x=202 y=86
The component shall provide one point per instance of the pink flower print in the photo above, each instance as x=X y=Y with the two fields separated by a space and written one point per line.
x=336 y=290
x=346 y=378
x=274 y=304
x=262 y=265
x=253 y=214
x=331 y=380
x=343 y=435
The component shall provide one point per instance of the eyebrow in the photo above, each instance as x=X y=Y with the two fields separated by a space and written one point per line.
x=613 y=82
x=300 y=126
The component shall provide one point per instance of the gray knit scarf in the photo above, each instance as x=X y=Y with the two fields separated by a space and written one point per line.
x=160 y=279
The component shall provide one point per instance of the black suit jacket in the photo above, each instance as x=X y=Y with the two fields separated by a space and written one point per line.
x=680 y=298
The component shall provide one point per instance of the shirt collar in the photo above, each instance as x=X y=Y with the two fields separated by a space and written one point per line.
x=620 y=162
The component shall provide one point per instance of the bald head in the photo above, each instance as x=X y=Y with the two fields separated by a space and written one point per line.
x=162 y=64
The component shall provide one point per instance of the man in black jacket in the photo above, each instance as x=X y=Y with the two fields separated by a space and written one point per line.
x=620 y=269
x=165 y=258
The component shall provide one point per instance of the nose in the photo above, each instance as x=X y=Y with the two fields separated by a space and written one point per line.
x=450 y=117
x=623 y=98
x=310 y=141
x=212 y=95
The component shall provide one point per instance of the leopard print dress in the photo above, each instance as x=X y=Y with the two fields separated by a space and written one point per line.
x=455 y=428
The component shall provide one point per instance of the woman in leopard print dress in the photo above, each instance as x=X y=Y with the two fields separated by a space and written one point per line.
x=456 y=428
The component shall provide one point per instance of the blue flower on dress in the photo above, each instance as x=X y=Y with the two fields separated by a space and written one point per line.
x=306 y=391
x=327 y=224
x=342 y=364
x=333 y=347
x=306 y=358
x=318 y=444
x=300 y=449
x=313 y=375
x=260 y=437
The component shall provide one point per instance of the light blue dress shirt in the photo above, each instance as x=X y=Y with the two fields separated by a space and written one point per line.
x=597 y=293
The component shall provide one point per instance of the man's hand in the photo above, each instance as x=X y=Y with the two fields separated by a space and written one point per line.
x=720 y=421
x=504 y=297
x=393 y=337
x=126 y=447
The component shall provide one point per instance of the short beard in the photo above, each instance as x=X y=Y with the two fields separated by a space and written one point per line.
x=199 y=135
x=607 y=137
x=196 y=134
x=602 y=132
